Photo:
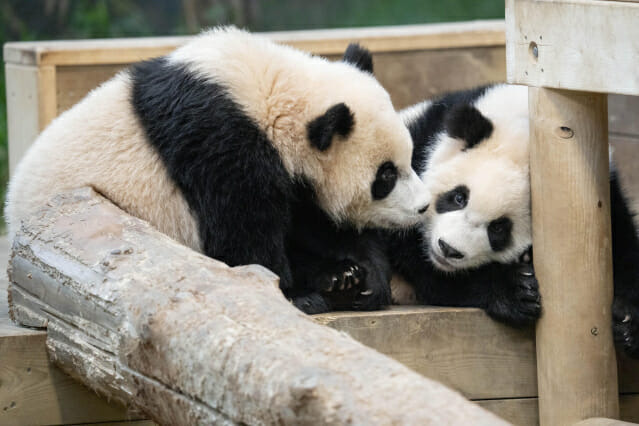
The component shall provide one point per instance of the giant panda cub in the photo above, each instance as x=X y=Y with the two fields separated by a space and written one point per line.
x=214 y=143
x=472 y=150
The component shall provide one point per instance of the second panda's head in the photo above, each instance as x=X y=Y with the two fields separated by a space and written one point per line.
x=478 y=177
x=362 y=150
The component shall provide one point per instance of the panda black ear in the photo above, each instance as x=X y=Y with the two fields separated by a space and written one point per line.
x=465 y=122
x=337 y=120
x=359 y=56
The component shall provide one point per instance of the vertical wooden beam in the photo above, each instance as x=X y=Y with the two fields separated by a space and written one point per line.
x=576 y=367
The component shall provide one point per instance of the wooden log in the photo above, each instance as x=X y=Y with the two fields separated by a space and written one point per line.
x=576 y=368
x=189 y=340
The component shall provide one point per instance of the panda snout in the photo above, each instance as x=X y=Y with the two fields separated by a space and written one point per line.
x=423 y=209
x=449 y=251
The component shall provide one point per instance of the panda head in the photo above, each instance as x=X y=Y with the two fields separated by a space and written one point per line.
x=361 y=150
x=478 y=176
x=332 y=123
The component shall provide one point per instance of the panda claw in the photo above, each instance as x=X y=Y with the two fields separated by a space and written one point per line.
x=626 y=319
x=367 y=292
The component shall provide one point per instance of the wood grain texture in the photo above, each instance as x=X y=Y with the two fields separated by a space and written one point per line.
x=324 y=42
x=599 y=52
x=32 y=391
x=460 y=347
x=146 y=321
x=525 y=411
x=576 y=365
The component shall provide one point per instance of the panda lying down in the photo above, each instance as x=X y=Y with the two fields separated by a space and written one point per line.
x=474 y=246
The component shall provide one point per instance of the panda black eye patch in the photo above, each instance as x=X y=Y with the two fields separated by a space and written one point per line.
x=385 y=180
x=453 y=200
x=500 y=233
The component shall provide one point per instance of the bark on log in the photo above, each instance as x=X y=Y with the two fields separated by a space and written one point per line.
x=188 y=340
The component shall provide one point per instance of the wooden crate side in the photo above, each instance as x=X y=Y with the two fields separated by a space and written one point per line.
x=33 y=391
x=461 y=348
x=324 y=42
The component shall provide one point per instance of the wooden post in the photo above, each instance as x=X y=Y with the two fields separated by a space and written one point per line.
x=148 y=322
x=576 y=367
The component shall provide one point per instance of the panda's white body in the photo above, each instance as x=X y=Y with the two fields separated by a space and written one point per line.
x=328 y=124
x=111 y=155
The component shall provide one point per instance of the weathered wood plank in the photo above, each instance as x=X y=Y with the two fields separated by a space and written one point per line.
x=460 y=347
x=324 y=42
x=146 y=321
x=525 y=411
x=588 y=45
x=576 y=365
x=32 y=391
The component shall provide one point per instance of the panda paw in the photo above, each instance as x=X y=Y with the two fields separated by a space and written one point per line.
x=312 y=303
x=521 y=306
x=344 y=275
x=625 y=326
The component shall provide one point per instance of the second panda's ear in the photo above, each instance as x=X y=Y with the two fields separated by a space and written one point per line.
x=465 y=122
x=359 y=56
x=337 y=120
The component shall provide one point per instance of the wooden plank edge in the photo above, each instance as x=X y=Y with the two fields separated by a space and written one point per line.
x=323 y=42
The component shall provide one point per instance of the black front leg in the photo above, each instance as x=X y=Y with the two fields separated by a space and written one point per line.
x=515 y=298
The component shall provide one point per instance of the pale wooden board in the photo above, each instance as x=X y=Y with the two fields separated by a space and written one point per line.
x=585 y=45
x=326 y=42
x=460 y=347
x=525 y=411
x=32 y=391
x=409 y=76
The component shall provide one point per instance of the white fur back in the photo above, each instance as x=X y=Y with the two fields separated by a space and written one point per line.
x=99 y=143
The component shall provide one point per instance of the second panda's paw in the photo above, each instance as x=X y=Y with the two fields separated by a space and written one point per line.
x=519 y=304
x=625 y=326
x=344 y=275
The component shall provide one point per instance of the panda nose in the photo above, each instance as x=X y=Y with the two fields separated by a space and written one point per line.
x=423 y=209
x=449 y=251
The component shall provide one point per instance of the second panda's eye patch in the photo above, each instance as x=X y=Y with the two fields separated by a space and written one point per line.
x=384 y=180
x=499 y=233
x=455 y=199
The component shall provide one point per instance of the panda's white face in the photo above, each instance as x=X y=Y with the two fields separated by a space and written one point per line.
x=480 y=216
x=481 y=195
x=367 y=176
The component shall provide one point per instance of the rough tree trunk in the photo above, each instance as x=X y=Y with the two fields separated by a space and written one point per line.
x=189 y=340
